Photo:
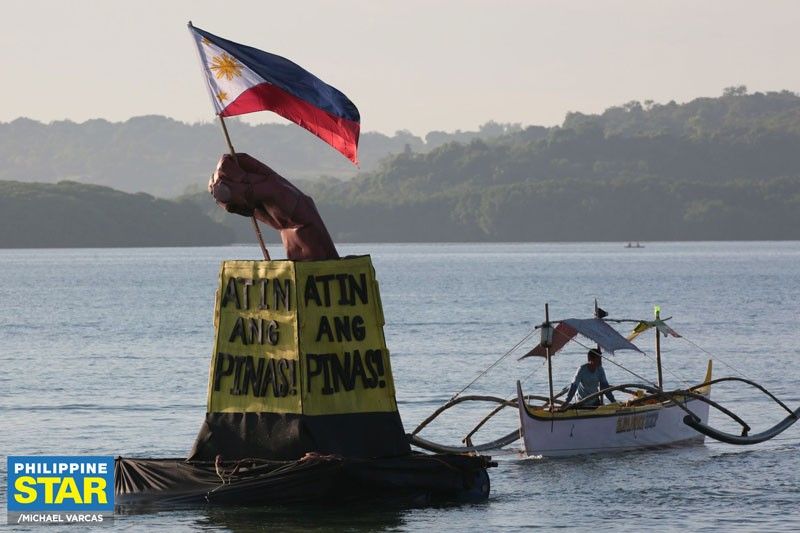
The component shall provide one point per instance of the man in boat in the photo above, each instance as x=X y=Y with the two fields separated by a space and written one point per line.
x=589 y=379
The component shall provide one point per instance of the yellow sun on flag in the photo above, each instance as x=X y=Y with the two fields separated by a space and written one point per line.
x=225 y=66
x=222 y=96
x=206 y=41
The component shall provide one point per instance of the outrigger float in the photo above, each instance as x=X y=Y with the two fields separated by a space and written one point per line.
x=652 y=417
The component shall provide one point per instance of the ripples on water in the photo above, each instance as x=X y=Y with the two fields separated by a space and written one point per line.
x=107 y=351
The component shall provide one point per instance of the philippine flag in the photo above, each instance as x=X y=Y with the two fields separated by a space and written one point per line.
x=243 y=80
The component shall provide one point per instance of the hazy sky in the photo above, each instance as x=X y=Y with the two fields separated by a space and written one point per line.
x=408 y=64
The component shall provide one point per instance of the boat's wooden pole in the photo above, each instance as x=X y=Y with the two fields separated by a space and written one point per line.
x=549 y=362
x=658 y=350
x=252 y=218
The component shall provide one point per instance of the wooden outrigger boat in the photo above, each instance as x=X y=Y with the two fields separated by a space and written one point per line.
x=652 y=417
x=652 y=420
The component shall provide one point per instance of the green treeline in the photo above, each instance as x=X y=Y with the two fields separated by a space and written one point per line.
x=714 y=168
x=69 y=214
x=725 y=168
x=575 y=210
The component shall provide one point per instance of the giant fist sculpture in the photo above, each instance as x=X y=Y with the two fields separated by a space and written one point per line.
x=246 y=186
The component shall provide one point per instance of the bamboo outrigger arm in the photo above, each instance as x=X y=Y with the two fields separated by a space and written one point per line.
x=744 y=439
x=751 y=383
x=508 y=403
x=452 y=403
x=426 y=444
x=774 y=431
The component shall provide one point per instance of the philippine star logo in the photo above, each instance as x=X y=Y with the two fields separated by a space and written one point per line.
x=60 y=489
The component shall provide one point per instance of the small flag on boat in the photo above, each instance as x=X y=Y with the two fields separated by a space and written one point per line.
x=645 y=325
x=242 y=79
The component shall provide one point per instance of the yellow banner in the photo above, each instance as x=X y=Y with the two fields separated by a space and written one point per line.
x=255 y=365
x=342 y=349
x=300 y=337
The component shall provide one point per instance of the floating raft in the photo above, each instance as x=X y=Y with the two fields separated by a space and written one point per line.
x=415 y=479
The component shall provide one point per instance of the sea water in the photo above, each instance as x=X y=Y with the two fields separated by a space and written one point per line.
x=106 y=352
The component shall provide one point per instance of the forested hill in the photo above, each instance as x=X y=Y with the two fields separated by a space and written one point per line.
x=735 y=116
x=164 y=157
x=69 y=214
x=723 y=168
x=713 y=168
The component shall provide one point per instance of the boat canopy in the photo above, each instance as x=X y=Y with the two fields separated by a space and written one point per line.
x=593 y=328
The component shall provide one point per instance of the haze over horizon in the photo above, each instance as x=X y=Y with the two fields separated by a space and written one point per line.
x=417 y=66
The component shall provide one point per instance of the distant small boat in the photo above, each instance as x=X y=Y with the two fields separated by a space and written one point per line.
x=637 y=245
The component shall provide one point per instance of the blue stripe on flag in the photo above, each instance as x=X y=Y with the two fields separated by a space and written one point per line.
x=289 y=76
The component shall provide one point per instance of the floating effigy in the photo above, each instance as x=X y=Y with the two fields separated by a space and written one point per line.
x=301 y=400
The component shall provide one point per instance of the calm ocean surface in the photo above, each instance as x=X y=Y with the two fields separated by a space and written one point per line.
x=106 y=351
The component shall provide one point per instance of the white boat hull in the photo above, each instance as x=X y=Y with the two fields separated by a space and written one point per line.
x=609 y=428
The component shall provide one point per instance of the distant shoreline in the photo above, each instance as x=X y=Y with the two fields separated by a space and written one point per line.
x=273 y=245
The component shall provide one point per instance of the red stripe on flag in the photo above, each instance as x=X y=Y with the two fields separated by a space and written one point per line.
x=340 y=133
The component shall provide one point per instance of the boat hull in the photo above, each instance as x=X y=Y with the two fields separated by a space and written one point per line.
x=607 y=429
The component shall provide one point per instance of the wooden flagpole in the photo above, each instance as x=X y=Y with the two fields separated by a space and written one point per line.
x=549 y=357
x=253 y=218
x=658 y=349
